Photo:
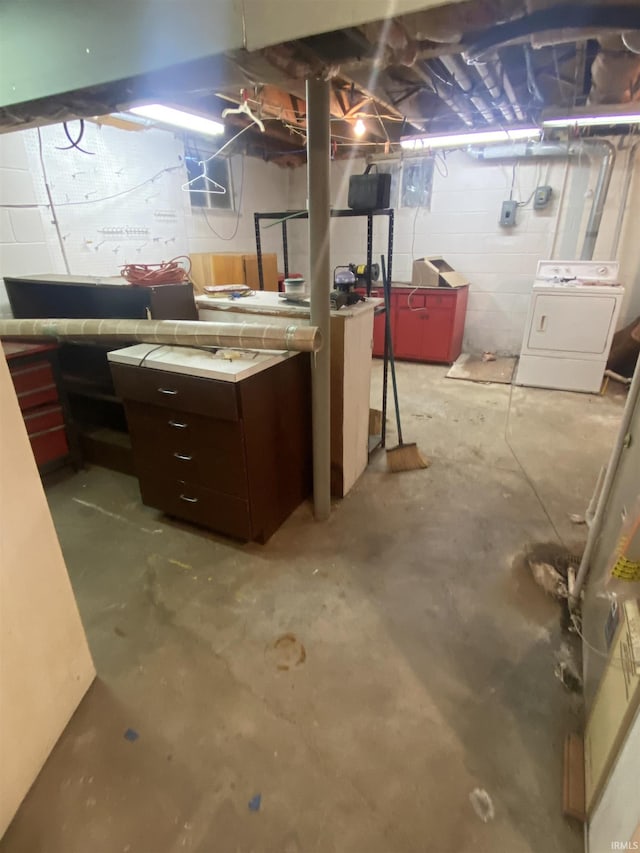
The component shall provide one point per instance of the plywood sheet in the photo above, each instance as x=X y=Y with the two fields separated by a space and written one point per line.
x=45 y=664
x=472 y=368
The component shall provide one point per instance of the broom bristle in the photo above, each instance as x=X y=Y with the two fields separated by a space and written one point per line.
x=406 y=457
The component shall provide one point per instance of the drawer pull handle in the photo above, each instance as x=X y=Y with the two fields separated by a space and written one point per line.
x=188 y=500
x=183 y=457
x=169 y=391
x=178 y=425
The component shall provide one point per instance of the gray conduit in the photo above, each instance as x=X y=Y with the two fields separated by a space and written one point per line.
x=318 y=182
x=631 y=160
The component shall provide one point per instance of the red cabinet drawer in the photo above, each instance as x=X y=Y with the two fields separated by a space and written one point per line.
x=44 y=418
x=413 y=301
x=32 y=377
x=35 y=385
x=49 y=445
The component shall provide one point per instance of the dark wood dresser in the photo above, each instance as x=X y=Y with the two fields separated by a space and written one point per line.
x=36 y=379
x=233 y=456
x=96 y=411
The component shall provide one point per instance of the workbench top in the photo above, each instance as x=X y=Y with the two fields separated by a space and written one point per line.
x=267 y=302
x=230 y=365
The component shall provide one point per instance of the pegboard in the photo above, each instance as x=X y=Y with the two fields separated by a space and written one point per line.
x=146 y=220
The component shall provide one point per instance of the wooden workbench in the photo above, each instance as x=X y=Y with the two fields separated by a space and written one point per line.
x=351 y=342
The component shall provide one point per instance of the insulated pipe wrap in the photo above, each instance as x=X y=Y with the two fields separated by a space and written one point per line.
x=171 y=332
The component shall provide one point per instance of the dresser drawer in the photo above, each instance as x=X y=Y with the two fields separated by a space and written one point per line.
x=442 y=299
x=211 y=397
x=49 y=445
x=33 y=377
x=197 y=504
x=44 y=418
x=189 y=447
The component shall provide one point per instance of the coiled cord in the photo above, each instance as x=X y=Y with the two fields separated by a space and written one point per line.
x=174 y=271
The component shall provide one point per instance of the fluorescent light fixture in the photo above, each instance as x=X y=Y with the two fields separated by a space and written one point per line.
x=588 y=117
x=359 y=128
x=178 y=118
x=461 y=140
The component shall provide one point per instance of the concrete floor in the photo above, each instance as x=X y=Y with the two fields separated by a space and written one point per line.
x=428 y=659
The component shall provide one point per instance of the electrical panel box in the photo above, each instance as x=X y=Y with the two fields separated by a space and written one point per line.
x=508 y=213
x=542 y=197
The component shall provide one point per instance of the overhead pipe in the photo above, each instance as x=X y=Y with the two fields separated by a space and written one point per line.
x=509 y=90
x=458 y=71
x=455 y=103
x=599 y=195
x=593 y=147
x=318 y=185
x=496 y=91
x=631 y=161
x=170 y=333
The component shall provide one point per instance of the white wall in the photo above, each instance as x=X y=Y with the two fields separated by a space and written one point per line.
x=152 y=223
x=462 y=225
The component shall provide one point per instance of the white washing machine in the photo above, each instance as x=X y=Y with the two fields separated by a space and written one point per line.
x=570 y=326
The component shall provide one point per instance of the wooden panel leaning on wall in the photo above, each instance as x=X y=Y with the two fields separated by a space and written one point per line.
x=46 y=665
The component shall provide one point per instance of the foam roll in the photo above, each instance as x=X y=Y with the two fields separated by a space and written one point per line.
x=171 y=332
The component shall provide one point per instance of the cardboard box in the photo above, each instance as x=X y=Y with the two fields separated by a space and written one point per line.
x=269 y=271
x=233 y=268
x=435 y=272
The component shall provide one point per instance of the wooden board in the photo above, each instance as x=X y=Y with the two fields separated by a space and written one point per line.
x=216 y=268
x=46 y=665
x=573 y=804
x=474 y=369
x=269 y=271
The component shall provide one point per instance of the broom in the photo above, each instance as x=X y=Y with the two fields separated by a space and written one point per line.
x=403 y=457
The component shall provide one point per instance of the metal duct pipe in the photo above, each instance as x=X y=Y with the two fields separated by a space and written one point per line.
x=631 y=161
x=171 y=333
x=509 y=91
x=456 y=103
x=458 y=71
x=599 y=195
x=591 y=147
x=318 y=183
x=495 y=90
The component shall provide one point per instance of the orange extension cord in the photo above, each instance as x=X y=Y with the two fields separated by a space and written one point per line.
x=170 y=272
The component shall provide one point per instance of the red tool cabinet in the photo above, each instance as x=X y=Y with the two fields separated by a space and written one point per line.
x=427 y=323
x=34 y=372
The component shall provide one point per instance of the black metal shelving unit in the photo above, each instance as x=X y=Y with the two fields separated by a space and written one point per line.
x=288 y=216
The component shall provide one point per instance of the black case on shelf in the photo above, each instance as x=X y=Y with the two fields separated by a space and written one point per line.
x=370 y=191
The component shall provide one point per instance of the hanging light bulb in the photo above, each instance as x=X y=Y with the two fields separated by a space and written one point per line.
x=359 y=128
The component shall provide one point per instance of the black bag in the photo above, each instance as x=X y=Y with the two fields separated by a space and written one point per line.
x=370 y=192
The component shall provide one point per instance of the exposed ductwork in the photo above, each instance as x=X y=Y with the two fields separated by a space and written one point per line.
x=615 y=73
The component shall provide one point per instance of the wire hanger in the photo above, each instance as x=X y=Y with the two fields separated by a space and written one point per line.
x=244 y=109
x=210 y=186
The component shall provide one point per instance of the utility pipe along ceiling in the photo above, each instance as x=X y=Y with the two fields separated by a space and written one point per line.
x=458 y=67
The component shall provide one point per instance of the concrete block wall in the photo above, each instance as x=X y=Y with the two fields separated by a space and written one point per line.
x=23 y=244
x=110 y=212
x=462 y=226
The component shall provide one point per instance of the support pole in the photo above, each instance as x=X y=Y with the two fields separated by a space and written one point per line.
x=318 y=183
